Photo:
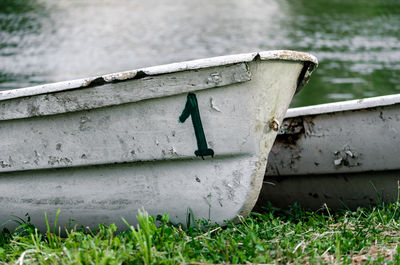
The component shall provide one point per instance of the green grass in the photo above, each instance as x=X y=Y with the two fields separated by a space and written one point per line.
x=296 y=236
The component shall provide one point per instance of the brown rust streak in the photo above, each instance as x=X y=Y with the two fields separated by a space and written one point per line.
x=291 y=131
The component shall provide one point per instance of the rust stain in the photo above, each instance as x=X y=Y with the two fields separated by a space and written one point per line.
x=274 y=124
x=291 y=131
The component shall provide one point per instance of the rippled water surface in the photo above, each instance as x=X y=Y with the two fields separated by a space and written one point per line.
x=357 y=42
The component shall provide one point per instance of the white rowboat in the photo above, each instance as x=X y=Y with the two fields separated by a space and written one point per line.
x=344 y=154
x=101 y=148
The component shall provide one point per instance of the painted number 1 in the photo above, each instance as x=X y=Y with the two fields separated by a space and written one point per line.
x=192 y=109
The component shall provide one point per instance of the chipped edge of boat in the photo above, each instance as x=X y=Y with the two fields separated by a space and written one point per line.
x=285 y=55
x=356 y=104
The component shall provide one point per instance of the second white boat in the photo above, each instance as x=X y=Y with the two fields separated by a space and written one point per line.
x=344 y=154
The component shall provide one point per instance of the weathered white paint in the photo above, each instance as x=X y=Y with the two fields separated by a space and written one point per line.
x=338 y=149
x=357 y=104
x=111 y=94
x=283 y=55
x=102 y=150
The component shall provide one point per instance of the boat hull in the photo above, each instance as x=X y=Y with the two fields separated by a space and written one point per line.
x=342 y=154
x=101 y=152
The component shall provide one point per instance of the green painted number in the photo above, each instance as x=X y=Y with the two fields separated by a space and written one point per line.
x=192 y=109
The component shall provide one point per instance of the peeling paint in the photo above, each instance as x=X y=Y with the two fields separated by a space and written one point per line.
x=135 y=90
x=213 y=106
x=214 y=78
x=346 y=157
x=58 y=147
x=55 y=161
x=36 y=157
x=172 y=151
x=4 y=164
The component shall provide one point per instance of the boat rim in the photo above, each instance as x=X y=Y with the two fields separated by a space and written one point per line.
x=283 y=55
x=356 y=104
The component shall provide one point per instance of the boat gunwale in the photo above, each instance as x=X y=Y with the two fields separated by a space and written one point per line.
x=282 y=55
x=342 y=106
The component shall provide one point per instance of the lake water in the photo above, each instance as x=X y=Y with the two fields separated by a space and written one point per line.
x=357 y=42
